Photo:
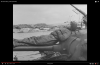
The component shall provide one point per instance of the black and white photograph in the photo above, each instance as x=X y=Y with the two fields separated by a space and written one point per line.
x=49 y=32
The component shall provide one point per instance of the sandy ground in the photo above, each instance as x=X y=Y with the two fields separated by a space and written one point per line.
x=26 y=55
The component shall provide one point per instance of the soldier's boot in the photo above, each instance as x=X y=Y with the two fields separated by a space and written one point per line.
x=16 y=43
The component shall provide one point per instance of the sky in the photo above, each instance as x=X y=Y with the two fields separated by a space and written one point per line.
x=49 y=14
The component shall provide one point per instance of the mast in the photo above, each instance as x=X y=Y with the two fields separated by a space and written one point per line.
x=84 y=15
x=79 y=10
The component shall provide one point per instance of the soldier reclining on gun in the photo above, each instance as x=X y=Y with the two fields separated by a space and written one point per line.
x=77 y=48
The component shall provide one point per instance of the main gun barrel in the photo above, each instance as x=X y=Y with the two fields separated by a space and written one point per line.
x=38 y=48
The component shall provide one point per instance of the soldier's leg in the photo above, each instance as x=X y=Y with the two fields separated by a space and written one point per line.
x=53 y=38
x=40 y=40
